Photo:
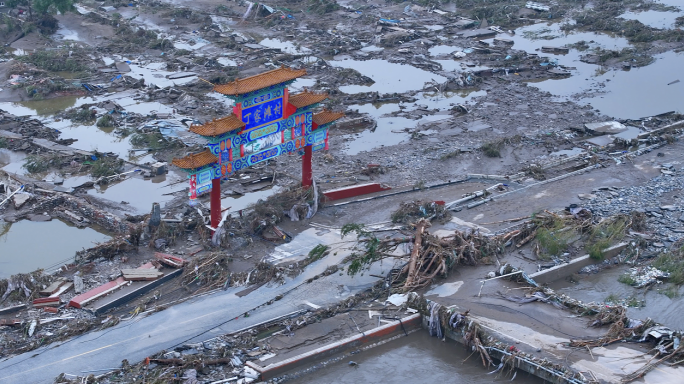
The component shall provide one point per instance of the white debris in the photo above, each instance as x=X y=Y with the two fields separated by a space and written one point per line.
x=645 y=276
x=397 y=299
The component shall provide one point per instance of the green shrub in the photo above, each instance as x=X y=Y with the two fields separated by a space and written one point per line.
x=491 y=149
x=105 y=121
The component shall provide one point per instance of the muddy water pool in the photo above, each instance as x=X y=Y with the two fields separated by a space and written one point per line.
x=391 y=130
x=600 y=286
x=388 y=77
x=284 y=46
x=139 y=194
x=92 y=138
x=237 y=203
x=655 y=19
x=42 y=107
x=27 y=245
x=415 y=359
x=616 y=93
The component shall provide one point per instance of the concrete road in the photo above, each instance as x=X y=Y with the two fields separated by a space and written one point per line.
x=141 y=337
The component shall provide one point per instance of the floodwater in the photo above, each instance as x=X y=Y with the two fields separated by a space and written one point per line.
x=372 y=48
x=93 y=138
x=127 y=100
x=41 y=107
x=567 y=152
x=240 y=202
x=388 y=77
x=64 y=33
x=301 y=83
x=26 y=245
x=672 y=3
x=153 y=73
x=443 y=50
x=616 y=93
x=391 y=130
x=139 y=194
x=655 y=19
x=598 y=287
x=415 y=359
x=644 y=91
x=284 y=46
x=11 y=161
x=302 y=244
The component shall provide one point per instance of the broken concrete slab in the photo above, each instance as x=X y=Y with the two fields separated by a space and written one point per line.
x=586 y=196
x=180 y=75
x=20 y=199
x=564 y=270
x=52 y=146
x=605 y=128
x=477 y=125
x=12 y=309
x=479 y=33
x=398 y=327
x=464 y=23
x=122 y=67
x=601 y=141
x=39 y=218
x=10 y=135
x=78 y=284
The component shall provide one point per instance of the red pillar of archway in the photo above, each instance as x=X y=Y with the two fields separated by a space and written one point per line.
x=307 y=172
x=215 y=202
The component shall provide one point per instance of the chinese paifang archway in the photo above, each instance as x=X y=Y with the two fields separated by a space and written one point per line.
x=266 y=122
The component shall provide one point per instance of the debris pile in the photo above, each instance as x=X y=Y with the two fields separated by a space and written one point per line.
x=414 y=210
x=641 y=277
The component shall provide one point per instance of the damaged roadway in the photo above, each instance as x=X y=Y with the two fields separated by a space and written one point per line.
x=197 y=320
x=168 y=328
x=111 y=90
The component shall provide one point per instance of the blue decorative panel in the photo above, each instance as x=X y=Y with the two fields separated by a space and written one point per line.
x=264 y=113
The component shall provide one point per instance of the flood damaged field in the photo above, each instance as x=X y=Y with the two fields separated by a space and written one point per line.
x=527 y=160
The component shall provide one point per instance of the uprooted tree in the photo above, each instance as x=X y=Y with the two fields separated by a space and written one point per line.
x=43 y=7
x=431 y=256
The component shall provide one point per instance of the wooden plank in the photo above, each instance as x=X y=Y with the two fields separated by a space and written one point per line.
x=54 y=287
x=170 y=260
x=10 y=322
x=47 y=302
x=148 y=274
x=63 y=289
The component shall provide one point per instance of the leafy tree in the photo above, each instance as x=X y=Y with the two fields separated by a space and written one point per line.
x=43 y=7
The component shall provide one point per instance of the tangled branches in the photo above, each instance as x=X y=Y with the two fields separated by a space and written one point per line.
x=208 y=272
x=27 y=284
x=431 y=256
x=295 y=202
x=414 y=210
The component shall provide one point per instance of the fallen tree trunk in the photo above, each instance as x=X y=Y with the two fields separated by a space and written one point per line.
x=420 y=228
